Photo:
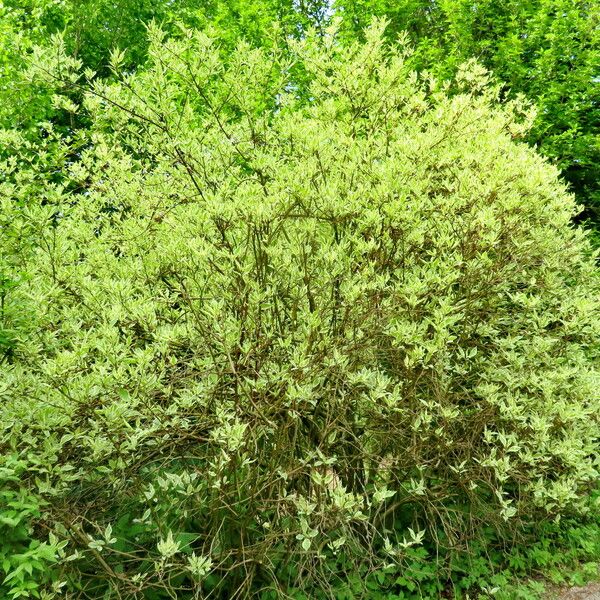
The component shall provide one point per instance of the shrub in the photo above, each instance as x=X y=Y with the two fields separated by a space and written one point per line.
x=296 y=319
x=548 y=50
x=23 y=559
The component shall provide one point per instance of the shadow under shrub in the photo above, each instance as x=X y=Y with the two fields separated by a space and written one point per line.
x=290 y=334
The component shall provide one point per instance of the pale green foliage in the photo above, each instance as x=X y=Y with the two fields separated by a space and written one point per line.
x=548 y=50
x=274 y=329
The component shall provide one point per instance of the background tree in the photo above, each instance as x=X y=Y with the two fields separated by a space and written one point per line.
x=92 y=29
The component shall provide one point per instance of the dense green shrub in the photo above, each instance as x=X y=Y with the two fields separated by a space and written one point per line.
x=548 y=50
x=284 y=340
x=24 y=560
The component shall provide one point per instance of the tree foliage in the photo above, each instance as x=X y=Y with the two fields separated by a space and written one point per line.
x=93 y=29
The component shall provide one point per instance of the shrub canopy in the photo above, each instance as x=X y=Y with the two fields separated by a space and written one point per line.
x=548 y=50
x=274 y=326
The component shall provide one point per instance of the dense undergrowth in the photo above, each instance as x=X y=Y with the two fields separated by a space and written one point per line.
x=300 y=325
x=526 y=567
